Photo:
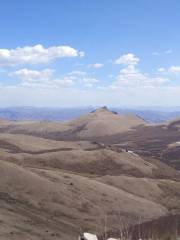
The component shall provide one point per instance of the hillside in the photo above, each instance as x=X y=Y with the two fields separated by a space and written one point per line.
x=59 y=178
x=99 y=123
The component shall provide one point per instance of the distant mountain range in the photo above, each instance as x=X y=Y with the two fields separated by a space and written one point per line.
x=156 y=115
x=153 y=115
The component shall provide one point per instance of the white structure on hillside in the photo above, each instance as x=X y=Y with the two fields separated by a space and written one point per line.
x=88 y=236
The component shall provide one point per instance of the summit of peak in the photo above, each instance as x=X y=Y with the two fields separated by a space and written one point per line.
x=103 y=109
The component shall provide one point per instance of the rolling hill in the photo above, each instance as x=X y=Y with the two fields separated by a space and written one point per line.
x=57 y=179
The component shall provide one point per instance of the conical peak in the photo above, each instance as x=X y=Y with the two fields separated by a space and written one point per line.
x=103 y=109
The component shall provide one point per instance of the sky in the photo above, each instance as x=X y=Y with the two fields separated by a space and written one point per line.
x=65 y=53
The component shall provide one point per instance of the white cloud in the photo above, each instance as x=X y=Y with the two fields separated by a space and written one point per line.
x=27 y=74
x=161 y=70
x=45 y=79
x=171 y=70
x=36 y=54
x=83 y=78
x=127 y=59
x=89 y=82
x=130 y=86
x=96 y=65
x=41 y=79
x=130 y=76
x=77 y=73
x=174 y=69
x=48 y=84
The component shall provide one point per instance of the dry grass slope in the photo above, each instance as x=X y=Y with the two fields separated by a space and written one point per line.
x=51 y=188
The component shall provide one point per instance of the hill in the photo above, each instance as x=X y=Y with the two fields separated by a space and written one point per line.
x=57 y=178
x=99 y=123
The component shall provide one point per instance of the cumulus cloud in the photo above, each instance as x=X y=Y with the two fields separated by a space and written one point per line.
x=130 y=76
x=32 y=74
x=133 y=77
x=174 y=69
x=41 y=79
x=48 y=84
x=45 y=79
x=96 y=65
x=171 y=70
x=36 y=54
x=127 y=59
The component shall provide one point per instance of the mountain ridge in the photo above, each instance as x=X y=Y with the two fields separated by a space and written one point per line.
x=59 y=177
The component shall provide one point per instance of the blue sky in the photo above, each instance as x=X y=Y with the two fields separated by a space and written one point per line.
x=66 y=53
